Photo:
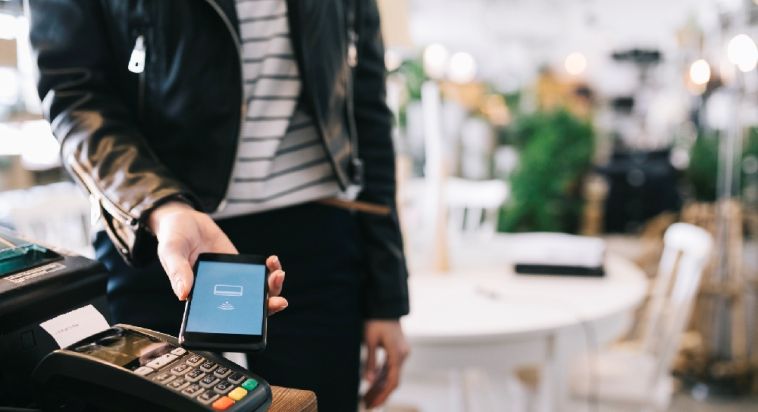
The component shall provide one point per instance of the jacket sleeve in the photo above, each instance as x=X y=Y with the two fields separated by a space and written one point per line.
x=387 y=288
x=101 y=145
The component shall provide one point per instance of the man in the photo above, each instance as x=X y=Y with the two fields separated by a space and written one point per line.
x=223 y=125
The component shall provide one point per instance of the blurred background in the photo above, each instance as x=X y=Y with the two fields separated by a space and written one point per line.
x=598 y=124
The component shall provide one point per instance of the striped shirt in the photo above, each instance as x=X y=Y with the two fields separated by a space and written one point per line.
x=280 y=158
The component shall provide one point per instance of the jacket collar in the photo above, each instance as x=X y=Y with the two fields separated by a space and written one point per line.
x=229 y=8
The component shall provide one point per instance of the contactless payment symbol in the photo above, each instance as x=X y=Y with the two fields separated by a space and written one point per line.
x=227 y=290
x=226 y=306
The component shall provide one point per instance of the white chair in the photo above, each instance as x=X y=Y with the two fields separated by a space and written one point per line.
x=639 y=377
x=473 y=205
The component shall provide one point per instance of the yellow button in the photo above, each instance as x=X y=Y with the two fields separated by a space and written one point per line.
x=237 y=394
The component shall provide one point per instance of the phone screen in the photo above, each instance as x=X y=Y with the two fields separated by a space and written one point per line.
x=227 y=298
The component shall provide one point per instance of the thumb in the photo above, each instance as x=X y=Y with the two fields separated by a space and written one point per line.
x=177 y=266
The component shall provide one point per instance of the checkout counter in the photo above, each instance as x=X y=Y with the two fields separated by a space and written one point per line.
x=58 y=350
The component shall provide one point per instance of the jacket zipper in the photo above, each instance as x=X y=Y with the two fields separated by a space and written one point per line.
x=356 y=180
x=237 y=45
x=356 y=164
x=137 y=63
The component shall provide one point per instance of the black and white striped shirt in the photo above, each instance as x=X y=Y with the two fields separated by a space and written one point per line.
x=280 y=158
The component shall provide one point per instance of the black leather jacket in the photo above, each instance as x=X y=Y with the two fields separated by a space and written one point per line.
x=135 y=141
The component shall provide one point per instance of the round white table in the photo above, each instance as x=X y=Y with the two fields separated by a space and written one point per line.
x=481 y=315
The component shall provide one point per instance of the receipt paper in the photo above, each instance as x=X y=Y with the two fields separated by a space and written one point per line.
x=76 y=325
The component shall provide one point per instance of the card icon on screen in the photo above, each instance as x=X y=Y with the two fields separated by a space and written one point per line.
x=227 y=290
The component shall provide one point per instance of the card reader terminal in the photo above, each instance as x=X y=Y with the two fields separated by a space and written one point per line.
x=127 y=368
x=36 y=285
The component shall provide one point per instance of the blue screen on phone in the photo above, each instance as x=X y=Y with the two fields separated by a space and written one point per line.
x=227 y=298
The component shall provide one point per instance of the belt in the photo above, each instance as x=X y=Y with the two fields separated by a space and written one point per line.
x=357 y=206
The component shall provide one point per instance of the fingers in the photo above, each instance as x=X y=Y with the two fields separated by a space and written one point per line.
x=371 y=347
x=390 y=381
x=273 y=263
x=175 y=261
x=275 y=283
x=276 y=304
x=371 y=397
x=389 y=336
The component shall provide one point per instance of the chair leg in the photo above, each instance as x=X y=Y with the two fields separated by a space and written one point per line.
x=457 y=392
x=480 y=391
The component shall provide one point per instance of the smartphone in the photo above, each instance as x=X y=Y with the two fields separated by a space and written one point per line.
x=227 y=308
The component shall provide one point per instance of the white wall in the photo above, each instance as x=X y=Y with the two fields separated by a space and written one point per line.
x=511 y=38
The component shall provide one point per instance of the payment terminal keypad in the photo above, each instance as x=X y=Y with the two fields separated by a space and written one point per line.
x=201 y=379
x=129 y=360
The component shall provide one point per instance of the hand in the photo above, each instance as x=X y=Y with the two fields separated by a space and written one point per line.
x=383 y=380
x=184 y=233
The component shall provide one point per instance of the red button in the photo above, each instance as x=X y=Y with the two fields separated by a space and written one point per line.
x=223 y=403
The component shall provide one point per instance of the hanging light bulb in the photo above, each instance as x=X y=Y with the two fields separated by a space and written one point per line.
x=575 y=64
x=700 y=72
x=462 y=68
x=742 y=52
x=435 y=60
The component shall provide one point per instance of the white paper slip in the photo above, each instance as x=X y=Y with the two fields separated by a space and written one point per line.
x=76 y=325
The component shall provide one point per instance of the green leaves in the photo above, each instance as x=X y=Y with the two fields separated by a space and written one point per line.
x=556 y=150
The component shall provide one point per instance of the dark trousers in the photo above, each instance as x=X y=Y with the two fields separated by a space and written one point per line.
x=313 y=344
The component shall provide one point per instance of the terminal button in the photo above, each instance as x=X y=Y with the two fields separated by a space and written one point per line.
x=143 y=370
x=250 y=384
x=194 y=375
x=193 y=389
x=223 y=387
x=178 y=384
x=237 y=394
x=179 y=351
x=237 y=378
x=161 y=361
x=222 y=372
x=195 y=360
x=223 y=403
x=208 y=397
x=164 y=377
x=208 y=381
x=208 y=366
x=181 y=369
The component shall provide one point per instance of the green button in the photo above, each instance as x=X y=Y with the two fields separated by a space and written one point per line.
x=250 y=384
